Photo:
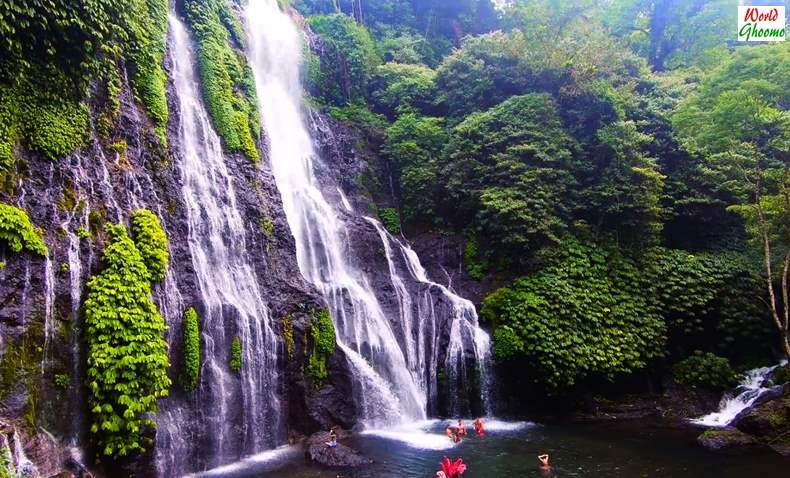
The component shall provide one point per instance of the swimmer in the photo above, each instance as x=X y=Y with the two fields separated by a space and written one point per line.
x=461 y=427
x=479 y=427
x=544 y=459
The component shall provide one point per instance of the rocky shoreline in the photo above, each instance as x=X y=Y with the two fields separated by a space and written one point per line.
x=764 y=426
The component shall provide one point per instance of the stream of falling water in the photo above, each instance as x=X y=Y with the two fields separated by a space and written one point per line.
x=237 y=415
x=393 y=379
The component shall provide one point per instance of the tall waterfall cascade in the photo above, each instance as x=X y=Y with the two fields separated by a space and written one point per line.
x=393 y=358
x=236 y=416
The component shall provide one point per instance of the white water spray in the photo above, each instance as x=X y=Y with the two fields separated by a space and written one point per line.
x=755 y=384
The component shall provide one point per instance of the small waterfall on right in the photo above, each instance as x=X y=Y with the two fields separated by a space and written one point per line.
x=755 y=384
x=394 y=358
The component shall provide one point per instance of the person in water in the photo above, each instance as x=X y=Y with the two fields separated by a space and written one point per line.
x=544 y=460
x=479 y=427
x=452 y=434
x=461 y=428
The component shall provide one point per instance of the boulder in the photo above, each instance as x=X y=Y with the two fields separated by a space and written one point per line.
x=338 y=457
x=718 y=439
x=767 y=419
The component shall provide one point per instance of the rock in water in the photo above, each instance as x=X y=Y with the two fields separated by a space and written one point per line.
x=725 y=439
x=338 y=457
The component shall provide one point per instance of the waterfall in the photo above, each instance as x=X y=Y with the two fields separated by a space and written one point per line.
x=23 y=466
x=236 y=415
x=393 y=379
x=49 y=312
x=756 y=383
x=465 y=333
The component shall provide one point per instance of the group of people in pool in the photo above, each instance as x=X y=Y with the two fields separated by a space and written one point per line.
x=455 y=433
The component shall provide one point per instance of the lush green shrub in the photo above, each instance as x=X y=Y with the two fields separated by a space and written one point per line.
x=6 y=463
x=148 y=32
x=235 y=354
x=358 y=115
x=399 y=87
x=507 y=344
x=509 y=171
x=62 y=381
x=45 y=118
x=390 y=219
x=349 y=65
x=191 y=337
x=126 y=354
x=288 y=335
x=55 y=49
x=709 y=299
x=227 y=83
x=585 y=314
x=151 y=241
x=706 y=370
x=18 y=233
x=475 y=266
x=322 y=330
x=413 y=146
x=267 y=225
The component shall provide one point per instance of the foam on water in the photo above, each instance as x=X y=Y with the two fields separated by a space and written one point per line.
x=270 y=456
x=494 y=425
x=429 y=434
x=416 y=435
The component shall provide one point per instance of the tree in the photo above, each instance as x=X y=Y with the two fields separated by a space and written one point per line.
x=738 y=121
x=674 y=32
x=349 y=64
x=414 y=147
x=402 y=87
x=510 y=169
x=624 y=187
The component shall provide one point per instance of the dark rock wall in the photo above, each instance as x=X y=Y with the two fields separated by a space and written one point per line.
x=71 y=200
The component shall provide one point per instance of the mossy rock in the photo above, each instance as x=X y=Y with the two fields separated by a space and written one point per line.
x=726 y=439
x=768 y=420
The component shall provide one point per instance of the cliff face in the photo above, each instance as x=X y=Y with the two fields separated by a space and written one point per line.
x=41 y=320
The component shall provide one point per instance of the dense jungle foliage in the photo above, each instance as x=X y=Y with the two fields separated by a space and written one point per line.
x=620 y=166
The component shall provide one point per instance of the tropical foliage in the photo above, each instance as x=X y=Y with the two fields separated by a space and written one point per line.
x=17 y=232
x=126 y=353
x=191 y=338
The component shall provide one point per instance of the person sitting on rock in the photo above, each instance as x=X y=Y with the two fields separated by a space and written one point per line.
x=332 y=443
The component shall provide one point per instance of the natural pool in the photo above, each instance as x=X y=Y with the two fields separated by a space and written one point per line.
x=591 y=450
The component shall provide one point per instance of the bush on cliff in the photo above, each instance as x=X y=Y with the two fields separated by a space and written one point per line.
x=126 y=354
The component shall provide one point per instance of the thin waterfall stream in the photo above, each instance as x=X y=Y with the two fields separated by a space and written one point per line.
x=237 y=415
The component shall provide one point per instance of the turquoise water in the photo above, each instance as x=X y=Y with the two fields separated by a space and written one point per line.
x=628 y=450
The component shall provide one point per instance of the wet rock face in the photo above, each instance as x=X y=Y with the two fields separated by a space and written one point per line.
x=105 y=181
